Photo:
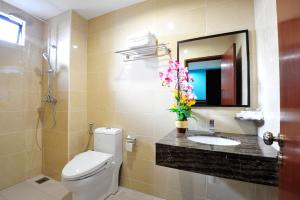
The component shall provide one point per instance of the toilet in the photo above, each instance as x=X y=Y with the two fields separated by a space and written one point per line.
x=94 y=175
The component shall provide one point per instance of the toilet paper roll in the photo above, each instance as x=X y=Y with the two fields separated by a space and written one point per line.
x=129 y=147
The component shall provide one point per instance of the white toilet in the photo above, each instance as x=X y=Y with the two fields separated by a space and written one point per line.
x=94 y=175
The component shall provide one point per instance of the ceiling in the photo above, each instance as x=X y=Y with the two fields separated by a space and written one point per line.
x=88 y=9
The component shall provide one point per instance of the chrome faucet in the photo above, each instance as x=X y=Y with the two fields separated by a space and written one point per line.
x=211 y=128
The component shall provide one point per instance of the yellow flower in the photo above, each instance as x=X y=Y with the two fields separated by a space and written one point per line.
x=173 y=106
x=191 y=102
x=183 y=99
x=176 y=94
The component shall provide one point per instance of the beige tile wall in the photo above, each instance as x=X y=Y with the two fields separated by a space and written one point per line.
x=78 y=86
x=20 y=94
x=126 y=95
x=130 y=96
x=55 y=138
x=69 y=136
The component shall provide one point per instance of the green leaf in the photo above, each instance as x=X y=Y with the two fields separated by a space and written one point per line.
x=180 y=116
x=173 y=109
x=187 y=113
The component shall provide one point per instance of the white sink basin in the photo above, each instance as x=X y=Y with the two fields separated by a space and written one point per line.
x=214 y=140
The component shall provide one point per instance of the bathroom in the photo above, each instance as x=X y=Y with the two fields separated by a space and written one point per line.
x=75 y=92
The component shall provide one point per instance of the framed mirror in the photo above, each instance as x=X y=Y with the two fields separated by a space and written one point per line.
x=220 y=66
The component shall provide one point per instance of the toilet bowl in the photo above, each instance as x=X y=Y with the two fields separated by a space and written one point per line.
x=94 y=175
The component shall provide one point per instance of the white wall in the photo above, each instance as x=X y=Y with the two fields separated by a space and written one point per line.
x=267 y=64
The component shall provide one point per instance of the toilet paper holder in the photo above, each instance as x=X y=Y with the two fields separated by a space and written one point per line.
x=130 y=139
x=130 y=143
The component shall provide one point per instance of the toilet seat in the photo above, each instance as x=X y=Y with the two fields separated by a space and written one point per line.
x=86 y=164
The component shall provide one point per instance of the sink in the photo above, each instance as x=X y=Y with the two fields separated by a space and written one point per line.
x=214 y=140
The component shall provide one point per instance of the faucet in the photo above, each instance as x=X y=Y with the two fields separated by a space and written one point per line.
x=211 y=128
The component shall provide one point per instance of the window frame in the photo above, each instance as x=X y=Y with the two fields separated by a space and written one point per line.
x=20 y=40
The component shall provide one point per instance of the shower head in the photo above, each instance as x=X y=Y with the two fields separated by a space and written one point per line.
x=46 y=57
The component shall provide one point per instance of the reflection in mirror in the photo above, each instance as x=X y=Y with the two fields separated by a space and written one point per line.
x=219 y=65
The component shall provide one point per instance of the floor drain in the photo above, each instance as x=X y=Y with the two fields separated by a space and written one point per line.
x=42 y=180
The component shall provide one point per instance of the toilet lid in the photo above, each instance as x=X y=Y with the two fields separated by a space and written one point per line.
x=85 y=163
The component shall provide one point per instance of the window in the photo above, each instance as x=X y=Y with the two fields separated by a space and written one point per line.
x=12 y=29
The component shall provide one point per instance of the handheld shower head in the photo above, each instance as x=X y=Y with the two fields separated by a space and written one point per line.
x=46 y=57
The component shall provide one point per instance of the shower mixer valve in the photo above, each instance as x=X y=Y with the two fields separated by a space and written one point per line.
x=49 y=99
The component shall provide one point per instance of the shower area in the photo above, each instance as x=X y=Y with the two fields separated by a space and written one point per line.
x=42 y=96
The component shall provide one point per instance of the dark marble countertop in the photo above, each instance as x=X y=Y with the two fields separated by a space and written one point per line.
x=251 y=161
x=251 y=145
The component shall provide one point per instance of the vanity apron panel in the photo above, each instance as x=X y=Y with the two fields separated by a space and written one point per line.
x=251 y=161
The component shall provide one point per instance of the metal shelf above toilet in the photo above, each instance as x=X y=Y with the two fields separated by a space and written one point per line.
x=146 y=52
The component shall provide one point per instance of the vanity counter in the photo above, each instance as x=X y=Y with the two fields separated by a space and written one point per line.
x=251 y=161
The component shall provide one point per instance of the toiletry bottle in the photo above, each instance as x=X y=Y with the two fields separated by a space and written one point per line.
x=211 y=126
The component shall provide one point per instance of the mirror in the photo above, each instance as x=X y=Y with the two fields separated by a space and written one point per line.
x=219 y=65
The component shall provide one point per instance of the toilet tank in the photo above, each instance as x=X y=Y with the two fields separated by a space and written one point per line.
x=109 y=140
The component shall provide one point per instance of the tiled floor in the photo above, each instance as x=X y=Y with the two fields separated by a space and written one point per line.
x=127 y=194
x=54 y=190
x=30 y=190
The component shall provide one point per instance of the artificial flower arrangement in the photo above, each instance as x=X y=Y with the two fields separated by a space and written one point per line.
x=177 y=77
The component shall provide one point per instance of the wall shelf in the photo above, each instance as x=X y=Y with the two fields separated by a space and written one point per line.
x=258 y=123
x=141 y=53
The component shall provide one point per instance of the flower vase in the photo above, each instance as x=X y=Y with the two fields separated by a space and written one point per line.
x=181 y=128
